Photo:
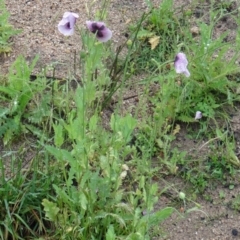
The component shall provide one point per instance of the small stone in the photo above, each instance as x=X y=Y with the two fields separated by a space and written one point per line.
x=198 y=13
x=234 y=232
x=195 y=31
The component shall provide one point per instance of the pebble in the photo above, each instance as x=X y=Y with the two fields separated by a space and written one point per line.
x=234 y=232
x=195 y=31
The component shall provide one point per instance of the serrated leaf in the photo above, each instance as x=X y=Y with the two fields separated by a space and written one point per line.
x=7 y=136
x=143 y=34
x=83 y=201
x=51 y=209
x=110 y=233
x=37 y=132
x=118 y=218
x=8 y=127
x=186 y=119
x=58 y=136
x=60 y=154
x=159 y=216
x=154 y=41
x=4 y=112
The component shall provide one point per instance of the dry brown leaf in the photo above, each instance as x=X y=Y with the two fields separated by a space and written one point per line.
x=128 y=21
x=154 y=41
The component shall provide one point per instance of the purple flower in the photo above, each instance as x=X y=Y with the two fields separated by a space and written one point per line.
x=103 y=34
x=198 y=115
x=66 y=25
x=181 y=63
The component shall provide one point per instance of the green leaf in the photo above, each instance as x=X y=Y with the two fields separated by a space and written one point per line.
x=83 y=201
x=118 y=218
x=159 y=216
x=37 y=132
x=60 y=154
x=24 y=100
x=93 y=123
x=51 y=209
x=136 y=236
x=142 y=34
x=58 y=136
x=9 y=91
x=125 y=125
x=63 y=195
x=4 y=112
x=110 y=235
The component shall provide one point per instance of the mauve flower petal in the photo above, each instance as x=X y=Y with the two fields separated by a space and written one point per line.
x=100 y=25
x=63 y=27
x=66 y=25
x=103 y=33
x=89 y=25
x=106 y=35
x=198 y=115
x=67 y=14
x=72 y=21
x=181 y=63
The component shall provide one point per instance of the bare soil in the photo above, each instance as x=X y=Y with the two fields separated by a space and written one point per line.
x=38 y=20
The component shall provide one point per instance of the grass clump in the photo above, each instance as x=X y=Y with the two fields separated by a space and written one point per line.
x=211 y=89
x=162 y=30
x=6 y=29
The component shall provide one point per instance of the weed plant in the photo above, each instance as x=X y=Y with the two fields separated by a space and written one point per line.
x=102 y=196
x=98 y=195
x=6 y=29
